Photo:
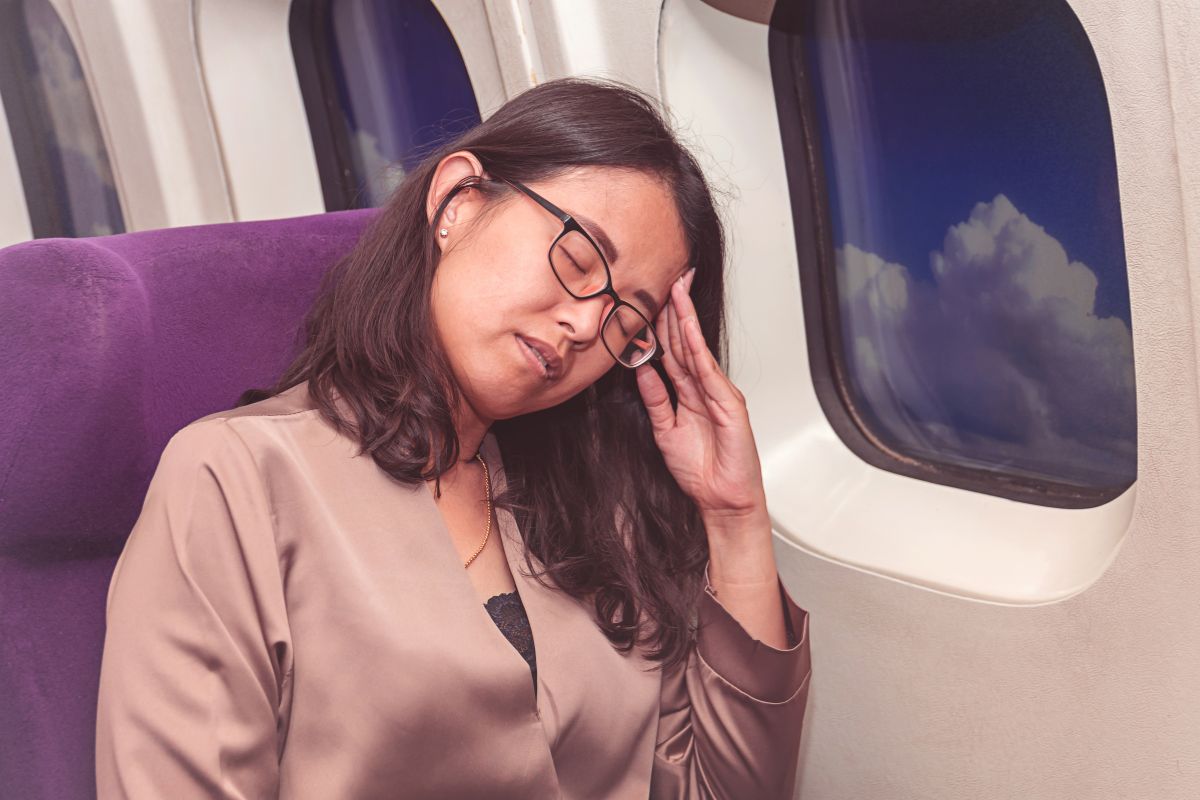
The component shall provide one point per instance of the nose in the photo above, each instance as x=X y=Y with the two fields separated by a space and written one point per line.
x=583 y=318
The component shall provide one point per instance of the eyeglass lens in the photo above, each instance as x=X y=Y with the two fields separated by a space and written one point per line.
x=580 y=269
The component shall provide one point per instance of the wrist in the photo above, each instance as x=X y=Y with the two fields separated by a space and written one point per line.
x=740 y=547
x=737 y=524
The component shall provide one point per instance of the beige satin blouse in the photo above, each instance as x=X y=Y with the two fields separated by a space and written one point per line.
x=286 y=620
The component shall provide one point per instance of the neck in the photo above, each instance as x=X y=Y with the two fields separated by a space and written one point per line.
x=471 y=427
x=468 y=446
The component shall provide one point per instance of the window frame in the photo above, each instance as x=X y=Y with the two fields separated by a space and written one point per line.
x=832 y=380
x=332 y=140
x=43 y=216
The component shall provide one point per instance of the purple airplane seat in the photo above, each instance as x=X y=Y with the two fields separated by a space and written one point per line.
x=108 y=346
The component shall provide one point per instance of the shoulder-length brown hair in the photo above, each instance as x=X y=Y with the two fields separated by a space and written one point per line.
x=580 y=469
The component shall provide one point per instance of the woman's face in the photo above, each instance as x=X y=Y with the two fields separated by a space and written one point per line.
x=494 y=286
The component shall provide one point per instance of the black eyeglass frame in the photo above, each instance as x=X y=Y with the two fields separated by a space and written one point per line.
x=570 y=224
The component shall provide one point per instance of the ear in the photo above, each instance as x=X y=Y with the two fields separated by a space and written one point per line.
x=465 y=203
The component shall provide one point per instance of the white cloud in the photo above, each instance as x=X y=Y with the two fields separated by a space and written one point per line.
x=381 y=174
x=1001 y=358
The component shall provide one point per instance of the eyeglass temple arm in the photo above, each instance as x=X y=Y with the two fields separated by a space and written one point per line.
x=537 y=198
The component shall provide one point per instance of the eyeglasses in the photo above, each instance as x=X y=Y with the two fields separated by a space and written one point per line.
x=583 y=271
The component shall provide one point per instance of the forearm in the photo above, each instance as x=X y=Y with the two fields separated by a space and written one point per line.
x=744 y=576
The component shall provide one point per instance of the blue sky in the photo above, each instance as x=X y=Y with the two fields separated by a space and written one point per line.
x=1023 y=113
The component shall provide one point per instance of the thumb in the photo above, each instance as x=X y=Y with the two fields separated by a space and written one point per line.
x=655 y=397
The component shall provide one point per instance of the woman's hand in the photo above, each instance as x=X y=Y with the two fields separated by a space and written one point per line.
x=709 y=448
x=706 y=441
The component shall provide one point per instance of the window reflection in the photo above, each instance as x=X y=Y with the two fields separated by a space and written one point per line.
x=64 y=166
x=967 y=175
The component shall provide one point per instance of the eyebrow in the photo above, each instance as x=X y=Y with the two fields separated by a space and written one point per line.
x=610 y=249
x=648 y=299
x=611 y=253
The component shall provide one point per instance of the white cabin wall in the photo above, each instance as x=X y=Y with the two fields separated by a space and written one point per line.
x=1181 y=41
x=141 y=61
x=615 y=39
x=249 y=73
x=539 y=40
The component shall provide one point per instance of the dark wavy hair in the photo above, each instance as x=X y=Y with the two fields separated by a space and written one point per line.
x=586 y=482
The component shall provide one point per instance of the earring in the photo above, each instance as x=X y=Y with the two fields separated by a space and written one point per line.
x=444 y=233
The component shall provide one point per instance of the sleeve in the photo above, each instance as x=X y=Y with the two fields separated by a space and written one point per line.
x=730 y=718
x=197 y=654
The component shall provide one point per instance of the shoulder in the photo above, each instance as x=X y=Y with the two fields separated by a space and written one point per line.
x=283 y=439
x=256 y=425
x=228 y=437
x=287 y=403
x=206 y=446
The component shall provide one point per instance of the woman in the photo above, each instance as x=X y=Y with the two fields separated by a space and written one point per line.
x=291 y=617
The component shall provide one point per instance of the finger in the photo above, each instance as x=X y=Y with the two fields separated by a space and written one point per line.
x=684 y=384
x=676 y=340
x=722 y=396
x=662 y=329
x=684 y=307
x=655 y=397
x=691 y=392
x=684 y=310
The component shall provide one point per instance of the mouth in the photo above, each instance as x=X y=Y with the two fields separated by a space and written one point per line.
x=542 y=356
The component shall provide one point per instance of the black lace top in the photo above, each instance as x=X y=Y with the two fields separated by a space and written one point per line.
x=508 y=612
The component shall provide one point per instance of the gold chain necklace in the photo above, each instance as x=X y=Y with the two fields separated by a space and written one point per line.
x=487 y=496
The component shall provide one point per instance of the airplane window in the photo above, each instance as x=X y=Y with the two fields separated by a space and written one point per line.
x=382 y=82
x=64 y=166
x=954 y=190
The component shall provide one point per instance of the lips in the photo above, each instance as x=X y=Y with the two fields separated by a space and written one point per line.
x=549 y=359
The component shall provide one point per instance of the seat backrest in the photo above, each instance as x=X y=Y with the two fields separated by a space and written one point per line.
x=108 y=346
